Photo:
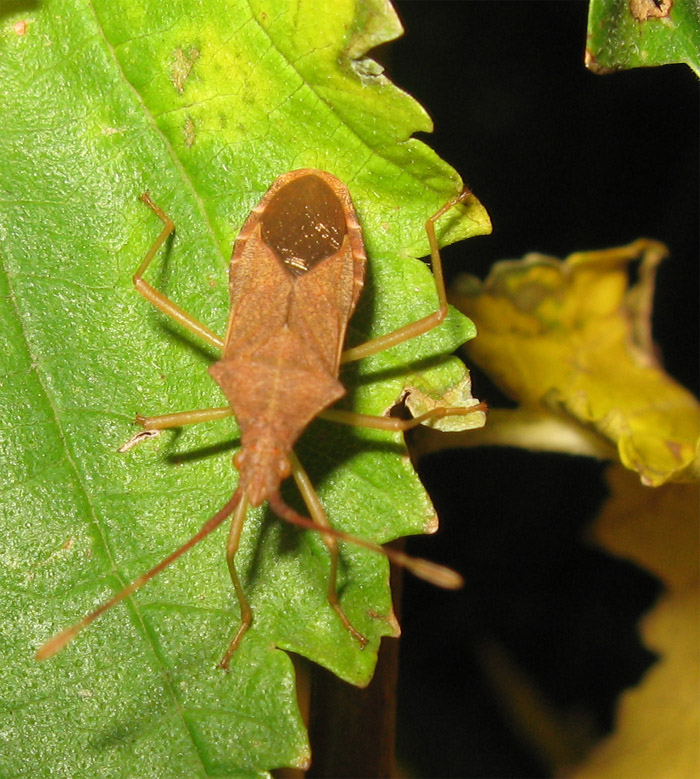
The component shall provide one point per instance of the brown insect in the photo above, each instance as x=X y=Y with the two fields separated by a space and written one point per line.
x=296 y=274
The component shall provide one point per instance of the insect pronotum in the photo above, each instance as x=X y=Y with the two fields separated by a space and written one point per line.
x=296 y=273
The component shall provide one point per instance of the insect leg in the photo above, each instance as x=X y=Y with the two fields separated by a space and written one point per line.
x=158 y=299
x=424 y=569
x=57 y=643
x=153 y=425
x=181 y=418
x=427 y=323
x=344 y=417
x=234 y=538
x=318 y=514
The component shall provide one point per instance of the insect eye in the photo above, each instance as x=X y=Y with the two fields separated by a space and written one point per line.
x=304 y=223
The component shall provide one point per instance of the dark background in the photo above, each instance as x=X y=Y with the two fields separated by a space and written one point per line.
x=563 y=160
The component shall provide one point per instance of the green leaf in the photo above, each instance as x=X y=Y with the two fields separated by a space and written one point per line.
x=203 y=104
x=625 y=34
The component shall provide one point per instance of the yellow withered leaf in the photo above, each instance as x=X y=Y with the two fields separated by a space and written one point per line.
x=658 y=721
x=572 y=338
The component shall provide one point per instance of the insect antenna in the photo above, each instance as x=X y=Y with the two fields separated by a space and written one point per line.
x=57 y=643
x=436 y=574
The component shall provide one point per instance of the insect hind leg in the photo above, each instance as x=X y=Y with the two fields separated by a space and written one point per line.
x=318 y=515
x=232 y=543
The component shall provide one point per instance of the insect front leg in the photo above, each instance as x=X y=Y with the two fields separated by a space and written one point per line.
x=318 y=515
x=427 y=323
x=158 y=299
